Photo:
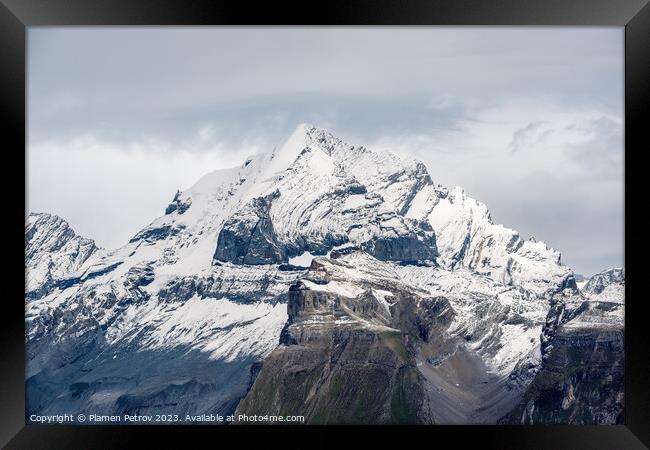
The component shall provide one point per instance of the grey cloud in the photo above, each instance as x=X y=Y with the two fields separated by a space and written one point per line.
x=602 y=154
x=527 y=136
x=204 y=97
x=131 y=83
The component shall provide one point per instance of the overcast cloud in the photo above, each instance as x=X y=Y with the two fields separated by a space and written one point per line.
x=527 y=120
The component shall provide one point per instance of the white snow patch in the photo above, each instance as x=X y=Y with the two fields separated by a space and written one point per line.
x=334 y=287
x=382 y=295
x=517 y=342
x=393 y=222
x=354 y=201
x=225 y=329
x=303 y=260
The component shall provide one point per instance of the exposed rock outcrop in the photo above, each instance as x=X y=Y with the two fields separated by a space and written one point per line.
x=248 y=237
x=348 y=356
x=582 y=376
x=178 y=204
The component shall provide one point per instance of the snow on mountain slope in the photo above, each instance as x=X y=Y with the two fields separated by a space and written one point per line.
x=467 y=237
x=210 y=277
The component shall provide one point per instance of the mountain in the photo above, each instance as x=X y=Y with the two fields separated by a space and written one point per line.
x=53 y=250
x=304 y=281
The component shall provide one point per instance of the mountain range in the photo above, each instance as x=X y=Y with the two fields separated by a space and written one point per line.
x=326 y=280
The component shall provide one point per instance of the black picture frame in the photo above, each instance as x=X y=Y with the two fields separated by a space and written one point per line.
x=17 y=15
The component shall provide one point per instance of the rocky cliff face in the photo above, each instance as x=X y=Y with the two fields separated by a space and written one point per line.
x=408 y=305
x=582 y=377
x=347 y=352
x=248 y=237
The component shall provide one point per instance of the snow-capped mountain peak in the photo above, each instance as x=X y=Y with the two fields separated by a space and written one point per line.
x=212 y=276
x=322 y=192
x=52 y=251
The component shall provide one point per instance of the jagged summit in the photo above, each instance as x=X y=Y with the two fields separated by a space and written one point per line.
x=52 y=251
x=326 y=192
x=600 y=281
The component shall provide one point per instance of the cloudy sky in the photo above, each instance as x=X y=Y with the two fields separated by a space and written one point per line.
x=527 y=120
